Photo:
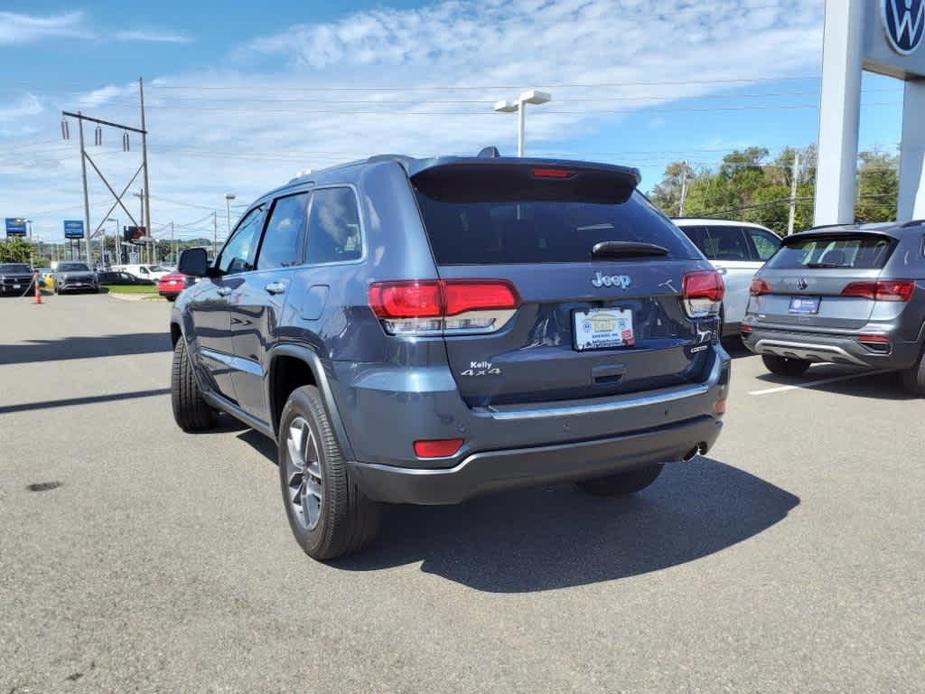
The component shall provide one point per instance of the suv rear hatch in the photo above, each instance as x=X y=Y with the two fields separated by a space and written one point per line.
x=593 y=273
x=823 y=281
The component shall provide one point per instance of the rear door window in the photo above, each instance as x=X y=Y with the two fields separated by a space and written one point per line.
x=334 y=226
x=765 y=244
x=728 y=243
x=867 y=252
x=282 y=240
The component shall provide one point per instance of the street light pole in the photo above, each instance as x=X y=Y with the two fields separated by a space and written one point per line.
x=228 y=198
x=117 y=257
x=518 y=106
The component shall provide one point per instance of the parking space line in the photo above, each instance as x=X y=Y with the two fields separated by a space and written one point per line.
x=819 y=382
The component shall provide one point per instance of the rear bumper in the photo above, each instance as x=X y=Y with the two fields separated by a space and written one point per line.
x=831 y=348
x=490 y=471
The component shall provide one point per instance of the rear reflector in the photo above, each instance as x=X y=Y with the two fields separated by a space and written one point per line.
x=430 y=307
x=437 y=448
x=874 y=339
x=745 y=329
x=759 y=287
x=882 y=290
x=702 y=293
x=719 y=407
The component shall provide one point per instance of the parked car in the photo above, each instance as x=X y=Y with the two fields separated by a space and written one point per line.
x=71 y=276
x=426 y=330
x=737 y=250
x=170 y=285
x=118 y=277
x=846 y=295
x=15 y=278
x=145 y=272
x=44 y=275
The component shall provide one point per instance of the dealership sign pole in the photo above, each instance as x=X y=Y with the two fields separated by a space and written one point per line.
x=886 y=37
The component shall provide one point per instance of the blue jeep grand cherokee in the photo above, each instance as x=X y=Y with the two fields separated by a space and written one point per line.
x=425 y=330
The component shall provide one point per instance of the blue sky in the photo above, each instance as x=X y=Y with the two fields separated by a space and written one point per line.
x=242 y=99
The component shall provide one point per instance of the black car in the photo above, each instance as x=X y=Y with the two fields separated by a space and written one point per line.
x=15 y=278
x=71 y=276
x=121 y=278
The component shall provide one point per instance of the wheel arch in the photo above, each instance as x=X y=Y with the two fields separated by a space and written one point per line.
x=291 y=366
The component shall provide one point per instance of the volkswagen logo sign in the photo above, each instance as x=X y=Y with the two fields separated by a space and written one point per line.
x=802 y=283
x=904 y=24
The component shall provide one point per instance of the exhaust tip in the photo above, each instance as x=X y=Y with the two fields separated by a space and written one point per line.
x=699 y=449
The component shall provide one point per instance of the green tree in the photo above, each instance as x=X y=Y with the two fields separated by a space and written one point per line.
x=15 y=250
x=878 y=187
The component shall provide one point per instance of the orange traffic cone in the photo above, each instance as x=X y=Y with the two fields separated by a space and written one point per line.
x=38 y=293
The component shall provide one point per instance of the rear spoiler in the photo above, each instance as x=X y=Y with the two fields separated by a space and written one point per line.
x=468 y=179
x=835 y=235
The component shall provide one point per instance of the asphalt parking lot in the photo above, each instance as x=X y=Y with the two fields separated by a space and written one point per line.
x=135 y=557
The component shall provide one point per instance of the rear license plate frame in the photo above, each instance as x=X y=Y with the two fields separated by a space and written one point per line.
x=602 y=328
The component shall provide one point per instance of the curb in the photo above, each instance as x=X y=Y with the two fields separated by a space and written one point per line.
x=136 y=297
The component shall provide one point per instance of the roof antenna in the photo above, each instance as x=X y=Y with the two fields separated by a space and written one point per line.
x=489 y=153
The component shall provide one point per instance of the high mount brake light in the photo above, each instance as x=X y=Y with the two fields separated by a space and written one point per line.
x=881 y=290
x=434 y=307
x=552 y=173
x=702 y=293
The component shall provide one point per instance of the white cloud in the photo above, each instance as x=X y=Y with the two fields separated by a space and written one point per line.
x=16 y=28
x=248 y=129
x=20 y=28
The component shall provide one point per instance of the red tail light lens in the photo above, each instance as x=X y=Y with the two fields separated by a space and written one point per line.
x=702 y=293
x=429 y=307
x=759 y=287
x=746 y=329
x=437 y=448
x=874 y=339
x=883 y=290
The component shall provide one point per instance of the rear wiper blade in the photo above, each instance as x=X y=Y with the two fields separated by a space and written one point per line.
x=626 y=249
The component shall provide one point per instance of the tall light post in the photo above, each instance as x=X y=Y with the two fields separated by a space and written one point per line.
x=228 y=198
x=518 y=106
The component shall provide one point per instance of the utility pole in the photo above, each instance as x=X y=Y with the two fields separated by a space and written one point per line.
x=83 y=173
x=144 y=157
x=683 y=191
x=794 y=176
x=214 y=234
x=173 y=242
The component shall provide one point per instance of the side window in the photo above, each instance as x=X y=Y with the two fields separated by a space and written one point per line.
x=143 y=270
x=238 y=253
x=282 y=241
x=334 y=226
x=700 y=238
x=765 y=244
x=728 y=242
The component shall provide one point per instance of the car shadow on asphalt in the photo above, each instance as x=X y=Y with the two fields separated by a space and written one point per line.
x=82 y=347
x=735 y=348
x=858 y=382
x=556 y=537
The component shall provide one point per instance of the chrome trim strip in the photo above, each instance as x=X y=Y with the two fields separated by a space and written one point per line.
x=628 y=403
x=236 y=363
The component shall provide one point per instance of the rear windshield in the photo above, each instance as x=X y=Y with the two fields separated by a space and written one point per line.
x=521 y=224
x=14 y=267
x=73 y=267
x=854 y=252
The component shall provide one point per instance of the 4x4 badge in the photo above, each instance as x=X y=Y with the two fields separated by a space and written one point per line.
x=622 y=281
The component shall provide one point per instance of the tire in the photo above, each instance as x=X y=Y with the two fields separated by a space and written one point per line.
x=190 y=411
x=329 y=515
x=622 y=483
x=785 y=366
x=914 y=376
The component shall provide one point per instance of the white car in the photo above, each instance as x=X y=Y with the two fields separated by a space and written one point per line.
x=737 y=250
x=145 y=272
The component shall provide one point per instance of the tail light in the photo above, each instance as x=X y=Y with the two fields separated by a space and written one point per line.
x=882 y=290
x=876 y=343
x=759 y=287
x=745 y=329
x=702 y=293
x=437 y=448
x=443 y=307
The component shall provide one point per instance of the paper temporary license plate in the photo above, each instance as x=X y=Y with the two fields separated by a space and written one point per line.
x=804 y=304
x=601 y=328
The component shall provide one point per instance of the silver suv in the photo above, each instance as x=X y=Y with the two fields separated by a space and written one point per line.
x=845 y=295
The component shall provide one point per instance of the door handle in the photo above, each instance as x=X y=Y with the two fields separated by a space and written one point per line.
x=276 y=287
x=722 y=271
x=223 y=291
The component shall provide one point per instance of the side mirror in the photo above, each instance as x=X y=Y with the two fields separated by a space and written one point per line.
x=194 y=262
